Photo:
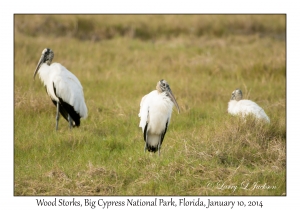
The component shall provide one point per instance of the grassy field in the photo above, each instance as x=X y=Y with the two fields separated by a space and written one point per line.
x=119 y=59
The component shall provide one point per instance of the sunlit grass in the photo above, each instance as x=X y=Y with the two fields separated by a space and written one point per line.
x=120 y=59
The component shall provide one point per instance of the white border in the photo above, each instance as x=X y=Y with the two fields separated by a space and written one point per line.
x=8 y=9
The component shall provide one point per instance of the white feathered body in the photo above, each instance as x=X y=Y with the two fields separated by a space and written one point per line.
x=67 y=86
x=246 y=107
x=156 y=110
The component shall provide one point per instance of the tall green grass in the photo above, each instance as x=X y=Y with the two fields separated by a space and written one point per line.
x=119 y=59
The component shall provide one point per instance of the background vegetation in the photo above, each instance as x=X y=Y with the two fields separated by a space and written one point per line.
x=119 y=59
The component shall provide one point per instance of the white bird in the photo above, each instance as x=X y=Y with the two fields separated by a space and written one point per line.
x=155 y=113
x=64 y=89
x=239 y=106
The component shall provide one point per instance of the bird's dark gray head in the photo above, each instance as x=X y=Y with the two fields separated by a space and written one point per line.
x=163 y=87
x=237 y=95
x=47 y=56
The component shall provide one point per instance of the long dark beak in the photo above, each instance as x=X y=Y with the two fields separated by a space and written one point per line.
x=38 y=66
x=173 y=99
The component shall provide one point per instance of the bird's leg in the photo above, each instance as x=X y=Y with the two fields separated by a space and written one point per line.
x=159 y=143
x=70 y=121
x=57 y=114
x=145 y=144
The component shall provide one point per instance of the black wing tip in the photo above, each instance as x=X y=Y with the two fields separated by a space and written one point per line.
x=77 y=123
x=152 y=148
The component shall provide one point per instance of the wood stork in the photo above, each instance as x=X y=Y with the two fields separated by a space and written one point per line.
x=64 y=89
x=155 y=113
x=239 y=106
